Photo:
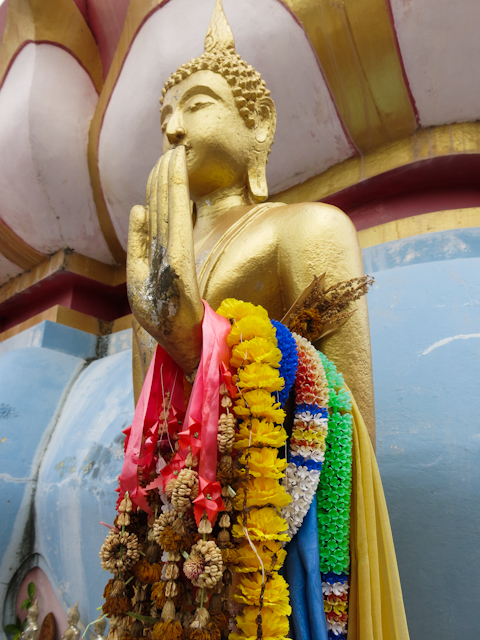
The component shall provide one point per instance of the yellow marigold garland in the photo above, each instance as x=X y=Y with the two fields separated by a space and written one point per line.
x=259 y=433
x=260 y=496
x=248 y=560
x=258 y=350
x=261 y=524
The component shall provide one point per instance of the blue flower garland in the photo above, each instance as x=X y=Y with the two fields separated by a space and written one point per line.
x=289 y=361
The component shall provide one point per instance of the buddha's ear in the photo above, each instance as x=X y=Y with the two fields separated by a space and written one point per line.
x=264 y=132
x=266 y=121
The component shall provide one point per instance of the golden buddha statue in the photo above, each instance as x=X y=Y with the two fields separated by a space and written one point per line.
x=207 y=233
x=218 y=122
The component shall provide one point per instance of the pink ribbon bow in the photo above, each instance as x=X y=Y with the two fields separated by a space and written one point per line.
x=209 y=500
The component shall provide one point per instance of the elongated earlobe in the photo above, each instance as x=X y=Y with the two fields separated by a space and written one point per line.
x=264 y=132
x=257 y=182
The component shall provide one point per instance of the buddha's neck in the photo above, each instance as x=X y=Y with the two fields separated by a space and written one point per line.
x=214 y=205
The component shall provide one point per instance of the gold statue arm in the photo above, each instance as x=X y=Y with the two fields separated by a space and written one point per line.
x=318 y=238
x=161 y=278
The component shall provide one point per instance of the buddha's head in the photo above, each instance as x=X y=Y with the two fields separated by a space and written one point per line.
x=219 y=108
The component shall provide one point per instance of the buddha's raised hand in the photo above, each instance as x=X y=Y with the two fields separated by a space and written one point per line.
x=161 y=278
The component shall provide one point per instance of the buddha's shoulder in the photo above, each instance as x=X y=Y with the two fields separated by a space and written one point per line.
x=310 y=216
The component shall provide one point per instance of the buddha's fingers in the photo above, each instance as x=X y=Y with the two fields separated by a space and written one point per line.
x=162 y=199
x=138 y=267
x=149 y=185
x=180 y=231
x=153 y=205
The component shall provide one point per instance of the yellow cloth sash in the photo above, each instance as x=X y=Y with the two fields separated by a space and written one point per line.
x=376 y=610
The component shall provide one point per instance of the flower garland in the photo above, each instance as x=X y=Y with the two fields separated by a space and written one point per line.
x=205 y=557
x=289 y=362
x=167 y=561
x=310 y=425
x=179 y=537
x=333 y=510
x=260 y=529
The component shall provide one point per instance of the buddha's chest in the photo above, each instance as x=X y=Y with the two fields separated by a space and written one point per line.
x=245 y=267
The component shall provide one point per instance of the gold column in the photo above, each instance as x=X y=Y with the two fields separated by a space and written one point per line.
x=356 y=46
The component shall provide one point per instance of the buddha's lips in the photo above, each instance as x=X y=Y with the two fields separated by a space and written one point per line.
x=186 y=146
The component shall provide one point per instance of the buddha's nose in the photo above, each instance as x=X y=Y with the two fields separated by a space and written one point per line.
x=175 y=133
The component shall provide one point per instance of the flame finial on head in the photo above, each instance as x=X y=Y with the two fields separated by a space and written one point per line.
x=219 y=35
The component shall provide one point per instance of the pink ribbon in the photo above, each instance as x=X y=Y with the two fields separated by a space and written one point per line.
x=142 y=436
x=204 y=402
x=191 y=438
x=200 y=427
x=227 y=377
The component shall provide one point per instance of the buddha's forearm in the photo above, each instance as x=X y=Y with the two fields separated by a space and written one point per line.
x=349 y=349
x=143 y=348
x=328 y=243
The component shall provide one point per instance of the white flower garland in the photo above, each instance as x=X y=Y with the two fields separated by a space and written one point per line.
x=310 y=429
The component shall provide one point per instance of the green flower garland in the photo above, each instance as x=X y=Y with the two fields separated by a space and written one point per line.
x=334 y=490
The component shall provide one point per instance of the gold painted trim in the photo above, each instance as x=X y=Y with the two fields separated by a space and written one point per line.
x=356 y=46
x=444 y=140
x=137 y=12
x=420 y=225
x=120 y=324
x=73 y=319
x=54 y=21
x=93 y=269
x=106 y=225
x=17 y=250
x=63 y=261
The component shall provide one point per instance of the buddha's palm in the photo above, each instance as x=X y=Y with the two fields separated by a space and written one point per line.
x=161 y=278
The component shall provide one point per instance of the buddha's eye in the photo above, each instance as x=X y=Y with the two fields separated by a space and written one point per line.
x=198 y=104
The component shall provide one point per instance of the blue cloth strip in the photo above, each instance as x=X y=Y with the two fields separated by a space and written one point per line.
x=302 y=572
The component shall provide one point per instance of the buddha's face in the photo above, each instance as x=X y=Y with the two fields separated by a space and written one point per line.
x=200 y=113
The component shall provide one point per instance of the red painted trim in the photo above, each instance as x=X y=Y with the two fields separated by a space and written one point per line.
x=83 y=9
x=447 y=182
x=69 y=290
x=413 y=203
x=106 y=21
x=404 y=73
